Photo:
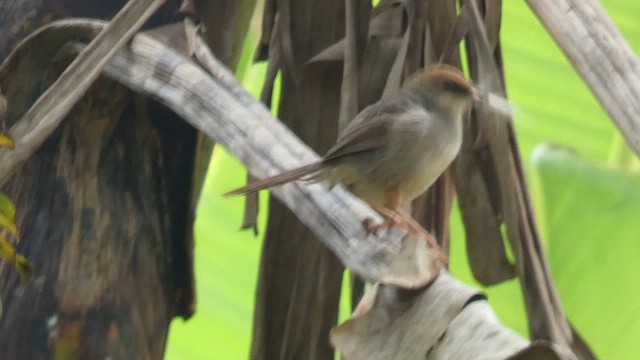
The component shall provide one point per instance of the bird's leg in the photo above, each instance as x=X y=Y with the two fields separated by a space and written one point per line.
x=396 y=216
x=391 y=217
x=416 y=227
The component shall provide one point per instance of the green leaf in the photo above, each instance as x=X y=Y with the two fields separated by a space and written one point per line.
x=591 y=218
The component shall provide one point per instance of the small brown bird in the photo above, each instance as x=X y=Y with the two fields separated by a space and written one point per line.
x=394 y=149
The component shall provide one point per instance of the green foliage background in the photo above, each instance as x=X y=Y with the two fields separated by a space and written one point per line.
x=584 y=181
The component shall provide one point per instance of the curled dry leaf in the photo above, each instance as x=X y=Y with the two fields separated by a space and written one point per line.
x=392 y=323
x=443 y=320
x=415 y=265
x=476 y=333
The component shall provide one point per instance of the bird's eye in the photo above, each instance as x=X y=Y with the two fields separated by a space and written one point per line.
x=456 y=87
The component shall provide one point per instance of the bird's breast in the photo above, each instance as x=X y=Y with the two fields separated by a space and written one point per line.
x=421 y=146
x=424 y=151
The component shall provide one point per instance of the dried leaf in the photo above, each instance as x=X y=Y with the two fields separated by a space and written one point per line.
x=268 y=29
x=252 y=201
x=284 y=32
x=547 y=318
x=543 y=350
x=391 y=323
x=476 y=333
x=485 y=248
x=386 y=22
x=334 y=52
x=356 y=25
x=396 y=74
x=294 y=265
x=415 y=266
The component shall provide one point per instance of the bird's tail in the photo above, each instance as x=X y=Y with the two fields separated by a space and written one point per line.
x=279 y=179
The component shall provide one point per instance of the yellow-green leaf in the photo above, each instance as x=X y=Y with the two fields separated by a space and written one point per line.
x=8 y=224
x=6 y=141
x=9 y=254
x=7 y=207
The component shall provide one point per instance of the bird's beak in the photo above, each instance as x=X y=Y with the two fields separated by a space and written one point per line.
x=476 y=94
x=495 y=102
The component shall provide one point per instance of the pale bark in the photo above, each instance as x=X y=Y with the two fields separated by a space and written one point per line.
x=600 y=54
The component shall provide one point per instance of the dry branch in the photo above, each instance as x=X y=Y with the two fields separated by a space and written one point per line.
x=599 y=52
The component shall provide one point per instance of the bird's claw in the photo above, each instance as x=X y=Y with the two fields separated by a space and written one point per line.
x=406 y=222
x=371 y=227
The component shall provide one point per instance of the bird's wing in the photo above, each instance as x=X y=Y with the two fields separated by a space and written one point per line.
x=368 y=131
x=367 y=136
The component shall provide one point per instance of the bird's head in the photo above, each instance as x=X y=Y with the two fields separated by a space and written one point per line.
x=445 y=87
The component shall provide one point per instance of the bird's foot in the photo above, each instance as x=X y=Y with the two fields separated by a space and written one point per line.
x=391 y=219
x=401 y=219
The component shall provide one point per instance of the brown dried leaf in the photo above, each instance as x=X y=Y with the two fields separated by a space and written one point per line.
x=396 y=74
x=485 y=248
x=349 y=88
x=543 y=350
x=474 y=174
x=390 y=323
x=476 y=333
x=252 y=201
x=334 y=52
x=295 y=265
x=268 y=29
x=547 y=318
x=415 y=266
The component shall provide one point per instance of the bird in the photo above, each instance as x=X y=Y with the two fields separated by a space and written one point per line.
x=396 y=148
